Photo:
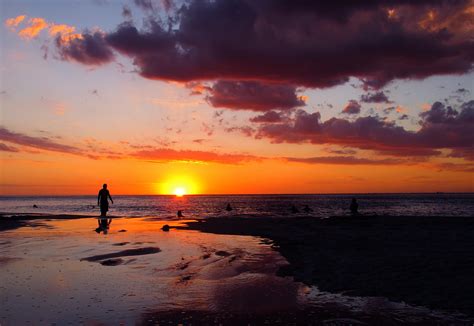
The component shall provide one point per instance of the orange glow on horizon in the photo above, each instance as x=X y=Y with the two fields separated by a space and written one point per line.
x=179 y=186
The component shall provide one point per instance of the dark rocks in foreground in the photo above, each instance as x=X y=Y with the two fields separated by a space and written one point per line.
x=425 y=261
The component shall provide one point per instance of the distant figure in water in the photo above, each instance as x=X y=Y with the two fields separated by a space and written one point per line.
x=104 y=225
x=294 y=210
x=180 y=214
x=307 y=209
x=34 y=206
x=103 y=200
x=228 y=208
x=354 y=207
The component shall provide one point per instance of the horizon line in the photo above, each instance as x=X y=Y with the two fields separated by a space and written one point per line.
x=250 y=194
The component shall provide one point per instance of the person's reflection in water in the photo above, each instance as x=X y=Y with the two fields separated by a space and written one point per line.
x=103 y=200
x=104 y=225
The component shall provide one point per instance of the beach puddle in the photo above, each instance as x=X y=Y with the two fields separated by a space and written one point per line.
x=69 y=273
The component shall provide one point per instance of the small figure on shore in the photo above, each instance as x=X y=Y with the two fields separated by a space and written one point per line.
x=180 y=214
x=307 y=209
x=103 y=200
x=228 y=208
x=354 y=207
x=294 y=209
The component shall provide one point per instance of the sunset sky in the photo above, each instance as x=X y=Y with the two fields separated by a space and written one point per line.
x=236 y=96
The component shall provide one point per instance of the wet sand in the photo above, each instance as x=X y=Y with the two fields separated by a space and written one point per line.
x=229 y=271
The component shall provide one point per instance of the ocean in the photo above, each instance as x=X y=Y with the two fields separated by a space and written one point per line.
x=204 y=206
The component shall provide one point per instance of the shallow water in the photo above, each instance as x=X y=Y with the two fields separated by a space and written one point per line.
x=202 y=206
x=45 y=278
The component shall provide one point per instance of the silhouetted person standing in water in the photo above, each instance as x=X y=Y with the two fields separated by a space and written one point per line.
x=307 y=209
x=294 y=209
x=228 y=208
x=103 y=200
x=354 y=207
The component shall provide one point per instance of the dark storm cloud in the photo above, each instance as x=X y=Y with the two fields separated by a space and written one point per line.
x=253 y=96
x=441 y=127
x=90 y=49
x=303 y=43
x=378 y=97
x=353 y=107
x=267 y=117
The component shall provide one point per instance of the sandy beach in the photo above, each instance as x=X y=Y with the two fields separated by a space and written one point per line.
x=337 y=271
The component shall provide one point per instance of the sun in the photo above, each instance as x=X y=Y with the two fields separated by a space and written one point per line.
x=180 y=192
x=178 y=185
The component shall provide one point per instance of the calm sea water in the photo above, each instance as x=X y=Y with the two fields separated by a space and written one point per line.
x=202 y=206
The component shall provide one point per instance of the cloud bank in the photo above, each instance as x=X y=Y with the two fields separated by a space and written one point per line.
x=253 y=96
x=442 y=127
x=302 y=43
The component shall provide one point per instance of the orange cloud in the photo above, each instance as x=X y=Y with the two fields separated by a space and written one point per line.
x=61 y=29
x=401 y=109
x=14 y=22
x=303 y=98
x=36 y=25
x=426 y=107
x=66 y=32
x=198 y=88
